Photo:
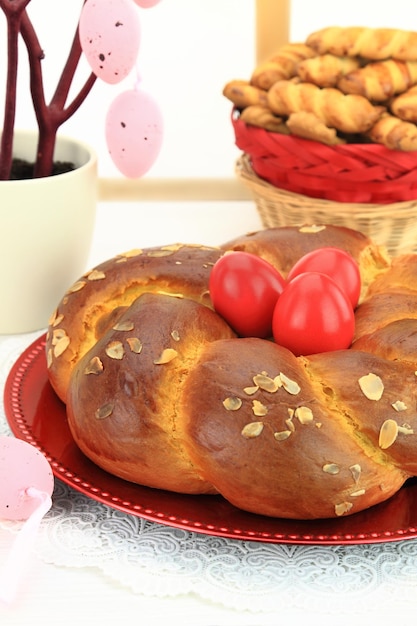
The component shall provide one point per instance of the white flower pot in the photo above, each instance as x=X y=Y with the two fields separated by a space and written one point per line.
x=46 y=228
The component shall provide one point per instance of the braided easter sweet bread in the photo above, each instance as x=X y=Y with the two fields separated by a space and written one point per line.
x=161 y=391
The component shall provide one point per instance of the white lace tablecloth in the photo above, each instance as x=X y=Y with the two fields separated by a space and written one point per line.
x=155 y=560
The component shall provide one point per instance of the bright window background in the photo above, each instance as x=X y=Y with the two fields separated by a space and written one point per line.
x=307 y=16
x=189 y=50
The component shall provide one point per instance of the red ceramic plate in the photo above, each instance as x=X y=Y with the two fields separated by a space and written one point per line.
x=36 y=415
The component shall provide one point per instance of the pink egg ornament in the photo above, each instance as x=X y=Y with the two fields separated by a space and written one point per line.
x=23 y=471
x=109 y=32
x=146 y=4
x=26 y=486
x=134 y=132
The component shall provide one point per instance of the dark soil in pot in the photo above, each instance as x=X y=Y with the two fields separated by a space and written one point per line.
x=22 y=170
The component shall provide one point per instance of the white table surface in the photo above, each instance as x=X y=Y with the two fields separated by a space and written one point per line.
x=57 y=594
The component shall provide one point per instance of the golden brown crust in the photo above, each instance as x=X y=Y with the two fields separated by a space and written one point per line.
x=95 y=302
x=394 y=341
x=329 y=441
x=401 y=276
x=282 y=247
x=125 y=417
x=392 y=296
x=180 y=430
x=383 y=308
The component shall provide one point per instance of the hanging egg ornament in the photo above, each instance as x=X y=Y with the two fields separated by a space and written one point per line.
x=146 y=4
x=22 y=468
x=109 y=32
x=134 y=132
x=26 y=486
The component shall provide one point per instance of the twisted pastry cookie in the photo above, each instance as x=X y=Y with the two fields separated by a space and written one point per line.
x=281 y=66
x=326 y=70
x=161 y=391
x=346 y=113
x=309 y=126
x=242 y=94
x=380 y=81
x=369 y=43
x=262 y=116
x=394 y=133
x=404 y=106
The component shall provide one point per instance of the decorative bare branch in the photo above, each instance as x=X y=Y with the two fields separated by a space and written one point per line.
x=13 y=11
x=49 y=116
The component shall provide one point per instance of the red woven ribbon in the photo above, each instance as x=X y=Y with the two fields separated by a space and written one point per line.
x=362 y=173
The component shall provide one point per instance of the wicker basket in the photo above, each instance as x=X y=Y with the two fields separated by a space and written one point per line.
x=391 y=225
